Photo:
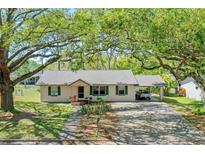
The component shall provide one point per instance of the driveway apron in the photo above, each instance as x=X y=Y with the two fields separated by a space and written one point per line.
x=153 y=123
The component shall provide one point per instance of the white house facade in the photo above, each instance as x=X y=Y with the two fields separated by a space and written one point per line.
x=64 y=86
x=192 y=88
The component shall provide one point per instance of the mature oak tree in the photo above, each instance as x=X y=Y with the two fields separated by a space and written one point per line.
x=172 y=39
x=165 y=39
x=29 y=34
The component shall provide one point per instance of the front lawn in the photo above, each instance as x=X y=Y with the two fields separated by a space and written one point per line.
x=32 y=119
x=185 y=107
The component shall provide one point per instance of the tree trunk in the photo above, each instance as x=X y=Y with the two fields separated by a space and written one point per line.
x=7 y=103
x=59 y=66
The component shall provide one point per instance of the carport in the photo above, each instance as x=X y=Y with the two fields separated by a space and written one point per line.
x=151 y=81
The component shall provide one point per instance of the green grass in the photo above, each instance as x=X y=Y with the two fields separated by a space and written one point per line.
x=187 y=107
x=183 y=103
x=33 y=119
x=29 y=93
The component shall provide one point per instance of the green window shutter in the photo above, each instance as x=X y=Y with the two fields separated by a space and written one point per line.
x=107 y=90
x=126 y=90
x=59 y=90
x=91 y=90
x=116 y=90
x=49 y=91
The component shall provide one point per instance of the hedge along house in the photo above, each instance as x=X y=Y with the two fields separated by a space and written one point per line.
x=64 y=86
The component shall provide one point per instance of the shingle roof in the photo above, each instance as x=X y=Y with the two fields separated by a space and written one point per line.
x=150 y=80
x=89 y=76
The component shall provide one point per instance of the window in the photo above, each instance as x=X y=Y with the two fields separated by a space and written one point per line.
x=81 y=92
x=121 y=90
x=100 y=90
x=95 y=90
x=54 y=91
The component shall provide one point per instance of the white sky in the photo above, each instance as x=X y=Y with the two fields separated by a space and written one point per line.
x=103 y=3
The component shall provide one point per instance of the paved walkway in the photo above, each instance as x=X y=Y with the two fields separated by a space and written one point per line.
x=153 y=123
x=69 y=131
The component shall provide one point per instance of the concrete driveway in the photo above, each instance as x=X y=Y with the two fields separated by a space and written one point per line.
x=153 y=123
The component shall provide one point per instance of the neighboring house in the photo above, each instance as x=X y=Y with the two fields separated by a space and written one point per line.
x=192 y=88
x=111 y=85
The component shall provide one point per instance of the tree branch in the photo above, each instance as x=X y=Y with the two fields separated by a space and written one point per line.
x=143 y=64
x=54 y=43
x=28 y=75
x=26 y=59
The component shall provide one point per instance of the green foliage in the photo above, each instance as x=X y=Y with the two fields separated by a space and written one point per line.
x=33 y=119
x=95 y=108
x=170 y=83
x=148 y=41
x=198 y=111
x=30 y=65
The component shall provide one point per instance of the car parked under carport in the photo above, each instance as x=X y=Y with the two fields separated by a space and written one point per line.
x=149 y=81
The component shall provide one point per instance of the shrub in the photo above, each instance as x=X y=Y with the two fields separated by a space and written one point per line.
x=95 y=108
x=199 y=111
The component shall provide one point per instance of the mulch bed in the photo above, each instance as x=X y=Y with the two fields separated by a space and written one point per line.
x=88 y=127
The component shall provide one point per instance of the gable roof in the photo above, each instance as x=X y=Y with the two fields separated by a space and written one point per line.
x=150 y=80
x=188 y=80
x=88 y=76
x=78 y=81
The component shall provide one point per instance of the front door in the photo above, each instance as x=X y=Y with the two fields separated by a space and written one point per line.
x=81 y=92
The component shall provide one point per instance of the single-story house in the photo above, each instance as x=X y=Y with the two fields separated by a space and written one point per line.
x=111 y=85
x=192 y=88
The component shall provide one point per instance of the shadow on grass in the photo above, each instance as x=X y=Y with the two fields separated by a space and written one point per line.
x=34 y=120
